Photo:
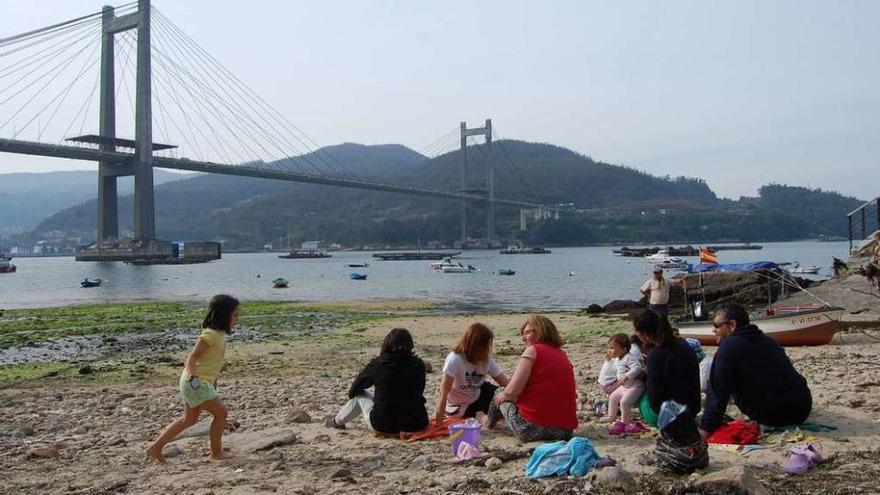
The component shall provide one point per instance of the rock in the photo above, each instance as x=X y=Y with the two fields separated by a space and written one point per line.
x=615 y=478
x=593 y=309
x=265 y=487
x=737 y=479
x=645 y=459
x=856 y=403
x=173 y=451
x=47 y=452
x=277 y=466
x=494 y=463
x=259 y=441
x=86 y=369
x=297 y=415
x=421 y=462
x=619 y=305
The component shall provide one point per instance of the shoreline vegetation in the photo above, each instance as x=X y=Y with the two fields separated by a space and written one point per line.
x=102 y=382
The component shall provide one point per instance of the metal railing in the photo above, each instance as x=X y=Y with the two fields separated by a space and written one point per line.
x=865 y=219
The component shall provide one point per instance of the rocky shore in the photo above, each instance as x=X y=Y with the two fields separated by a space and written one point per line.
x=89 y=428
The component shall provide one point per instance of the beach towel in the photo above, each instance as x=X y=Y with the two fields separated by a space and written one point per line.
x=575 y=457
x=808 y=426
x=736 y=432
x=435 y=429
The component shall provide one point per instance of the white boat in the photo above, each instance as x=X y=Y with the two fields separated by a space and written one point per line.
x=458 y=268
x=662 y=259
x=811 y=325
x=797 y=268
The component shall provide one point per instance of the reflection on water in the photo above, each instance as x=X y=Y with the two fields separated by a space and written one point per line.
x=569 y=278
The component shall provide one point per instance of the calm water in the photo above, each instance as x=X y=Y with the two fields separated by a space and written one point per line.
x=541 y=281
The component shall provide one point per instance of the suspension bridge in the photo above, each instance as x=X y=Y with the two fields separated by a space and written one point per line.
x=174 y=87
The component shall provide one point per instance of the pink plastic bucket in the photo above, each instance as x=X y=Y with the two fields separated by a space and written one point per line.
x=469 y=432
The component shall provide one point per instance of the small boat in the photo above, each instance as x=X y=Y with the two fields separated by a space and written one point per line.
x=789 y=326
x=357 y=265
x=797 y=268
x=280 y=283
x=91 y=282
x=506 y=271
x=358 y=276
x=7 y=267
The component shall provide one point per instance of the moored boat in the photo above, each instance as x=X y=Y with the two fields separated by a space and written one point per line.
x=305 y=254
x=358 y=276
x=280 y=283
x=91 y=282
x=811 y=325
x=809 y=270
x=506 y=271
x=6 y=266
x=357 y=265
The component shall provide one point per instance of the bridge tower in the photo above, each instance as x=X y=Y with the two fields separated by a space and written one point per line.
x=486 y=132
x=142 y=165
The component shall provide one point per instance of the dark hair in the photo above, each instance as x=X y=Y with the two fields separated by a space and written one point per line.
x=620 y=339
x=634 y=339
x=475 y=343
x=397 y=340
x=655 y=327
x=220 y=311
x=737 y=312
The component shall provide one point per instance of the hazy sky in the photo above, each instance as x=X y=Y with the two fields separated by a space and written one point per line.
x=740 y=93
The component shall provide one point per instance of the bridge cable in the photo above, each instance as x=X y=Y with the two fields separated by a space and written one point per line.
x=267 y=110
x=219 y=97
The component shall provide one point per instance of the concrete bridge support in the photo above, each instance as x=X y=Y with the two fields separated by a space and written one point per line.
x=142 y=166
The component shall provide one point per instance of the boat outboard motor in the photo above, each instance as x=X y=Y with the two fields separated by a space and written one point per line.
x=701 y=311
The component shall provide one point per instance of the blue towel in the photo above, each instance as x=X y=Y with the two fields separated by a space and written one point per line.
x=575 y=457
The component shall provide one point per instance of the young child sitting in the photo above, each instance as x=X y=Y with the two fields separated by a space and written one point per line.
x=630 y=382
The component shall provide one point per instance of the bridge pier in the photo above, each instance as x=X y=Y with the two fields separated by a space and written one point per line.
x=108 y=207
x=486 y=132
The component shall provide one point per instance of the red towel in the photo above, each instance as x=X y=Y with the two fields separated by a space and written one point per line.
x=435 y=429
x=737 y=432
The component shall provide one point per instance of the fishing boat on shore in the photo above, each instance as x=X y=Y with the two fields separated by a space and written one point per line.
x=810 y=325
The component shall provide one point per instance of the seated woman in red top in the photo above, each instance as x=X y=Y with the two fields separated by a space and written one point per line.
x=540 y=402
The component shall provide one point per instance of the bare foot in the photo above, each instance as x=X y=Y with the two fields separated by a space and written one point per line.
x=156 y=454
x=483 y=418
x=222 y=456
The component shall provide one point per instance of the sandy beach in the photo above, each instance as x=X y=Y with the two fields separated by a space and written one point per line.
x=86 y=433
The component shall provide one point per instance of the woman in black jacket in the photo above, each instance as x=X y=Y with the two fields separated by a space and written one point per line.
x=398 y=376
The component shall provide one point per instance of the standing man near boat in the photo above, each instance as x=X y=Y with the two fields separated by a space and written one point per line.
x=755 y=371
x=656 y=289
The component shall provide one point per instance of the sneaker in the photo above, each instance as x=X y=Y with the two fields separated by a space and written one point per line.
x=634 y=428
x=618 y=428
x=330 y=422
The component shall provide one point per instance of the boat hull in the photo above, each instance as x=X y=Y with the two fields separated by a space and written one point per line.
x=813 y=327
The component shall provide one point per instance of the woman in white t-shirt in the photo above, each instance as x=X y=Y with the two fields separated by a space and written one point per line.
x=464 y=390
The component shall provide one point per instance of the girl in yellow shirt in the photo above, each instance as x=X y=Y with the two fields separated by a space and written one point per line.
x=198 y=381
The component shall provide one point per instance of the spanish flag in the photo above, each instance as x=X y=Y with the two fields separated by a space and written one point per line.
x=708 y=257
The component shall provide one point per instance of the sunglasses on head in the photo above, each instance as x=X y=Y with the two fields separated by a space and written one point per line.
x=718 y=324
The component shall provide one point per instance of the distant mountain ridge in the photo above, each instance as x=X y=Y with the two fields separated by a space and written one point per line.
x=609 y=203
x=26 y=199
